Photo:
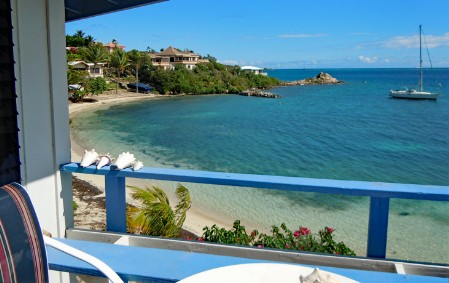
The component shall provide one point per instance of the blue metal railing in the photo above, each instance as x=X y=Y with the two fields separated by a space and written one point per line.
x=379 y=193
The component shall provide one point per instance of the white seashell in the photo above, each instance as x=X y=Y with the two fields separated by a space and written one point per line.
x=137 y=165
x=318 y=276
x=124 y=160
x=105 y=159
x=89 y=158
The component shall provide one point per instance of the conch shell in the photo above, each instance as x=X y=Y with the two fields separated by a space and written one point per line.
x=124 y=160
x=318 y=276
x=89 y=158
x=105 y=159
x=137 y=165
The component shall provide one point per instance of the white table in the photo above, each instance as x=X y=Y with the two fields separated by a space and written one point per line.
x=257 y=273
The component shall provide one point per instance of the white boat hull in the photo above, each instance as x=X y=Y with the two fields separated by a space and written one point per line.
x=413 y=94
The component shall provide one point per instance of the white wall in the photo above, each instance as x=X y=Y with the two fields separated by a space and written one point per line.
x=39 y=38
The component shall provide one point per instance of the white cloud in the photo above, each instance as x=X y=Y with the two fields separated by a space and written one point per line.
x=369 y=60
x=229 y=62
x=413 y=41
x=300 y=35
x=232 y=62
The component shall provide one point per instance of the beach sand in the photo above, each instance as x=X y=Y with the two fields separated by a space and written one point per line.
x=92 y=216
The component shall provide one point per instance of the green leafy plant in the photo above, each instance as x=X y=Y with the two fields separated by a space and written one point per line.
x=77 y=95
x=155 y=216
x=280 y=238
x=96 y=86
x=236 y=235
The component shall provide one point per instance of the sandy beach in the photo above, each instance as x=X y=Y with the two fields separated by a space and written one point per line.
x=91 y=216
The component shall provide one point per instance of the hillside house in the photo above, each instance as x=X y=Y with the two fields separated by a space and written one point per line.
x=92 y=69
x=171 y=57
x=255 y=70
x=112 y=45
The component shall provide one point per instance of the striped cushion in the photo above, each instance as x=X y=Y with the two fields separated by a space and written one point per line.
x=22 y=250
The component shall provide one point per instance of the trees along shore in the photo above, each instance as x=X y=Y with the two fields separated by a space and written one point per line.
x=123 y=67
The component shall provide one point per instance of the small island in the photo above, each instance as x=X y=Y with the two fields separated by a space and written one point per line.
x=320 y=79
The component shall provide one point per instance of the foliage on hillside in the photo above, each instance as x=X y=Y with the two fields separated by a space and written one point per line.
x=125 y=67
x=79 y=39
x=205 y=78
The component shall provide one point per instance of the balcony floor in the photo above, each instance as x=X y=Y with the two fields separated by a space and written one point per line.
x=163 y=265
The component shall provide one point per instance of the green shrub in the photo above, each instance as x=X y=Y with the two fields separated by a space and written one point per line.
x=77 y=95
x=205 y=78
x=96 y=86
x=280 y=238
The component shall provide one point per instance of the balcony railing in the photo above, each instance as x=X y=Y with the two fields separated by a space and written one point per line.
x=379 y=193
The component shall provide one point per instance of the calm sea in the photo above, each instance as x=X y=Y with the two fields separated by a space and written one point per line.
x=351 y=131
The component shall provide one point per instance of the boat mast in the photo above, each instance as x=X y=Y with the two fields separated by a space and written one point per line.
x=420 y=60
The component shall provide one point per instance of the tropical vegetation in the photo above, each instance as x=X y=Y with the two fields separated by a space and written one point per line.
x=154 y=216
x=280 y=238
x=205 y=78
x=124 y=67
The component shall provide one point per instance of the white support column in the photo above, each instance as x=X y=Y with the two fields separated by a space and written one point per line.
x=39 y=38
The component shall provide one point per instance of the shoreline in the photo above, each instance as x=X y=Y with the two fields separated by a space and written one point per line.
x=197 y=217
x=350 y=230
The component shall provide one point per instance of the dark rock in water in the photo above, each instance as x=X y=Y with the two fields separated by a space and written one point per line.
x=259 y=93
x=321 y=78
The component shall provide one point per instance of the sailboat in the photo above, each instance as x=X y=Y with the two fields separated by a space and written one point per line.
x=413 y=93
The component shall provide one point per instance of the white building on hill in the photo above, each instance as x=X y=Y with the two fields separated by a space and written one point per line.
x=255 y=70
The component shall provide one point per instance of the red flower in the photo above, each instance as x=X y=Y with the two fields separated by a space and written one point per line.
x=200 y=239
x=188 y=238
x=304 y=230
x=296 y=233
x=260 y=246
x=287 y=246
x=330 y=230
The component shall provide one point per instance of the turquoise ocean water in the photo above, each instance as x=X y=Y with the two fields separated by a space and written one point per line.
x=351 y=131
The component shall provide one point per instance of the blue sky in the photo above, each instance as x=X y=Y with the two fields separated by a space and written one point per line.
x=285 y=33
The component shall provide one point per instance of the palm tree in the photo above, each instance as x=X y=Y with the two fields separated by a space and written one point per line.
x=79 y=34
x=89 y=40
x=119 y=61
x=155 y=216
x=94 y=53
x=137 y=59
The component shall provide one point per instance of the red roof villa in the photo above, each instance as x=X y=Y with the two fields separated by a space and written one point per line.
x=111 y=45
x=171 y=56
